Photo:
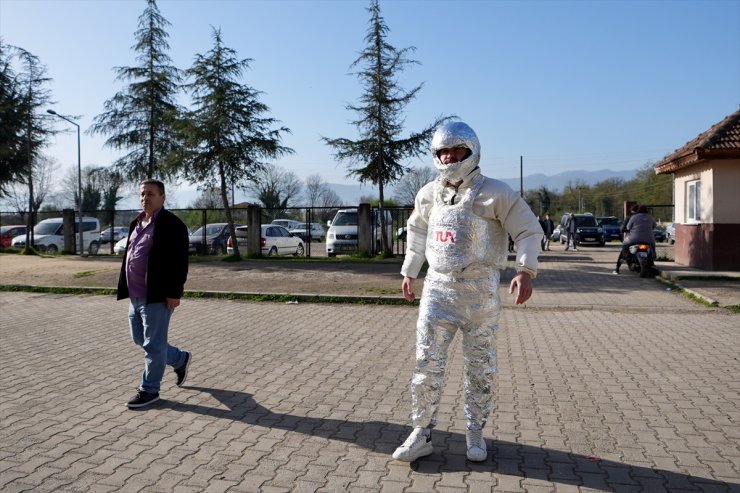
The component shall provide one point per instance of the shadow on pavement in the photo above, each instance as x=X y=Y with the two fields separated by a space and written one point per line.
x=514 y=459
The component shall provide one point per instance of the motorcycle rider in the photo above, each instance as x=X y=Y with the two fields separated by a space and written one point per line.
x=639 y=229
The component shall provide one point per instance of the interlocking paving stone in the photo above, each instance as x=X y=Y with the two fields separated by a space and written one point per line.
x=591 y=395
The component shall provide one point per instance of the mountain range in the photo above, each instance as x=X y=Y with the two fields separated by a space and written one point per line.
x=350 y=194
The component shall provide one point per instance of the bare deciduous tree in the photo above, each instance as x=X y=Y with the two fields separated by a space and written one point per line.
x=276 y=189
x=409 y=185
x=17 y=198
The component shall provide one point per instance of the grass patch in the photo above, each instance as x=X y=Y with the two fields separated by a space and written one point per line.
x=84 y=273
x=382 y=290
x=279 y=298
x=350 y=259
x=17 y=288
x=733 y=308
x=296 y=298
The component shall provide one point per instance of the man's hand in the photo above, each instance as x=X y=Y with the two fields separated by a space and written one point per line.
x=172 y=303
x=408 y=288
x=522 y=282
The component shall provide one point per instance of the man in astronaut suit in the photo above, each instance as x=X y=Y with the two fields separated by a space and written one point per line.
x=459 y=226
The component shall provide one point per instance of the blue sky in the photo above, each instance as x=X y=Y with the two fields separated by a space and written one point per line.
x=585 y=85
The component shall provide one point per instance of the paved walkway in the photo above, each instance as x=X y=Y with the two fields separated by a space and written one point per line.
x=605 y=383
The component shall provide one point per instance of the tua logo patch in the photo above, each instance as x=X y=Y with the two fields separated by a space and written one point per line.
x=445 y=236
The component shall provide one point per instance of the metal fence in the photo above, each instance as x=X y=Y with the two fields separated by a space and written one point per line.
x=194 y=219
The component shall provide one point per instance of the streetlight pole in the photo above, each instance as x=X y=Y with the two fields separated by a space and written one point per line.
x=79 y=180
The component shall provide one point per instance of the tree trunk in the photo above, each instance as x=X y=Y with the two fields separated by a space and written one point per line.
x=227 y=210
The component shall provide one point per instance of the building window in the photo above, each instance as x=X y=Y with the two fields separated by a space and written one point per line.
x=693 y=201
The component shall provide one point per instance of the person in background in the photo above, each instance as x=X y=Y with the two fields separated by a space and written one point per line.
x=153 y=275
x=547 y=228
x=459 y=226
x=570 y=228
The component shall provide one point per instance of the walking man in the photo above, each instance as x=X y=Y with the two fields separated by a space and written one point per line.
x=153 y=274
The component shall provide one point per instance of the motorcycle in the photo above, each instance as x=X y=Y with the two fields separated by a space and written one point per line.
x=640 y=258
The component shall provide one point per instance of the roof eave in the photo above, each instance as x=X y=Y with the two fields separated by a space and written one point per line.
x=696 y=156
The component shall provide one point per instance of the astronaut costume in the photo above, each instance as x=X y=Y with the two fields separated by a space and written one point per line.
x=461 y=231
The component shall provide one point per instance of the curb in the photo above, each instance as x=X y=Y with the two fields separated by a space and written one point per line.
x=225 y=295
x=668 y=281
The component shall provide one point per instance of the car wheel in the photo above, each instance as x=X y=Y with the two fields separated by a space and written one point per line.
x=93 y=248
x=299 y=251
x=221 y=250
x=331 y=254
x=52 y=249
x=272 y=252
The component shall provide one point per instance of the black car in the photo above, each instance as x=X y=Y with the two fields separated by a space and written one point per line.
x=215 y=236
x=588 y=231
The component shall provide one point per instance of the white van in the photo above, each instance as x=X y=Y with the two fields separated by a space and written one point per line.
x=342 y=235
x=48 y=235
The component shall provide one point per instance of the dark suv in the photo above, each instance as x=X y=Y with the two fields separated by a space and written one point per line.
x=588 y=231
x=611 y=226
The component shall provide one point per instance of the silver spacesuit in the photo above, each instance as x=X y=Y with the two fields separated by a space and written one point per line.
x=459 y=225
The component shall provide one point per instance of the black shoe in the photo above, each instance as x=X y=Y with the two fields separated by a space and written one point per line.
x=142 y=398
x=182 y=372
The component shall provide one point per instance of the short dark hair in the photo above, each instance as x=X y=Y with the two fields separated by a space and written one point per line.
x=157 y=183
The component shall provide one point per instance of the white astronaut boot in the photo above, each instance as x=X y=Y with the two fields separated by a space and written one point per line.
x=476 y=445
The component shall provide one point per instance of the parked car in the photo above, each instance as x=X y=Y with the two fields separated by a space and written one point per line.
x=215 y=234
x=659 y=235
x=120 y=247
x=342 y=234
x=670 y=233
x=315 y=230
x=48 y=235
x=289 y=224
x=7 y=233
x=556 y=233
x=274 y=240
x=611 y=226
x=587 y=231
x=113 y=234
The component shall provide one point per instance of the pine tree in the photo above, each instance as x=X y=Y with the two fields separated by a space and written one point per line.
x=140 y=119
x=227 y=140
x=378 y=155
x=34 y=125
x=13 y=163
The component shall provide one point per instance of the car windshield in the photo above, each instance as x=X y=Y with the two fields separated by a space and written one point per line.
x=585 y=221
x=345 y=219
x=609 y=221
x=46 y=228
x=211 y=229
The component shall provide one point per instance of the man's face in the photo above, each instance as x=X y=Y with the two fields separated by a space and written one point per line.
x=151 y=199
x=452 y=155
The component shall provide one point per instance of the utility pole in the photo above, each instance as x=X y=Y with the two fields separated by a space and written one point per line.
x=521 y=176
